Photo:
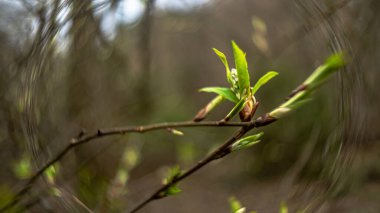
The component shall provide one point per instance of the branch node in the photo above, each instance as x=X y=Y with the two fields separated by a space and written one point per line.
x=100 y=133
x=81 y=133
x=264 y=120
x=73 y=140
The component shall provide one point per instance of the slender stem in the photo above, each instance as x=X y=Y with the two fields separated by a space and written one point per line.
x=219 y=152
x=84 y=138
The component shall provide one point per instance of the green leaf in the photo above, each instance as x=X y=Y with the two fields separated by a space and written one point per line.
x=173 y=190
x=23 y=168
x=331 y=65
x=290 y=105
x=226 y=93
x=236 y=206
x=50 y=173
x=242 y=69
x=263 y=80
x=237 y=108
x=175 y=131
x=225 y=62
x=55 y=191
x=283 y=208
x=247 y=142
x=172 y=174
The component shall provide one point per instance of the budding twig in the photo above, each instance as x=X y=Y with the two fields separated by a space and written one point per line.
x=85 y=137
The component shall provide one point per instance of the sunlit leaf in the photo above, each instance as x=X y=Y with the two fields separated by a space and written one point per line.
x=247 y=141
x=259 y=25
x=226 y=93
x=235 y=206
x=263 y=80
x=225 y=62
x=173 y=190
x=122 y=176
x=51 y=173
x=173 y=173
x=175 y=132
x=23 y=169
x=332 y=64
x=283 y=208
x=55 y=191
x=259 y=35
x=242 y=69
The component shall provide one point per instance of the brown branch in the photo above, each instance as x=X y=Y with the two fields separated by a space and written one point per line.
x=218 y=153
x=84 y=138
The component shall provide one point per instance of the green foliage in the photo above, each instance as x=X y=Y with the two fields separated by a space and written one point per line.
x=236 y=206
x=22 y=169
x=225 y=62
x=51 y=173
x=331 y=65
x=283 y=208
x=263 y=80
x=240 y=91
x=302 y=95
x=6 y=196
x=237 y=108
x=86 y=191
x=242 y=70
x=176 y=132
x=226 y=93
x=247 y=142
x=173 y=173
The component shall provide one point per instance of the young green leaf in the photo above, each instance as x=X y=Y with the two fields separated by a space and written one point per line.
x=246 y=142
x=172 y=175
x=242 y=69
x=202 y=114
x=50 y=173
x=225 y=62
x=175 y=132
x=23 y=168
x=55 y=191
x=236 y=206
x=332 y=64
x=283 y=208
x=226 y=93
x=290 y=105
x=237 y=108
x=263 y=80
x=173 y=190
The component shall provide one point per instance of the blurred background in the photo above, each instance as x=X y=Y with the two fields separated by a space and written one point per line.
x=68 y=65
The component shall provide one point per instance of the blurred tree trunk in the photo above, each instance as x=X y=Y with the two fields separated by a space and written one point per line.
x=83 y=61
x=144 y=80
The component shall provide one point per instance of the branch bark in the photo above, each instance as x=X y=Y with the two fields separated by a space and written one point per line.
x=218 y=153
x=83 y=138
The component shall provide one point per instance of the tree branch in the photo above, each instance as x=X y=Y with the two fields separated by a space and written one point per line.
x=83 y=138
x=219 y=152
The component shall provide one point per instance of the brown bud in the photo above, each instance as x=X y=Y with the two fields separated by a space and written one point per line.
x=200 y=115
x=249 y=110
x=265 y=120
x=300 y=88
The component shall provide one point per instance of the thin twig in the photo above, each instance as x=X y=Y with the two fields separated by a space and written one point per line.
x=218 y=153
x=74 y=142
